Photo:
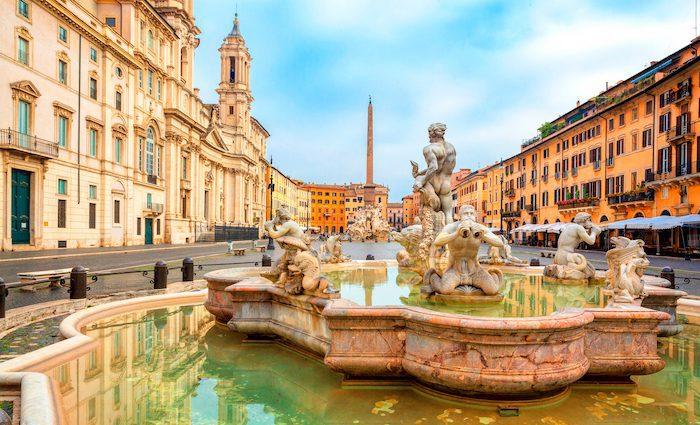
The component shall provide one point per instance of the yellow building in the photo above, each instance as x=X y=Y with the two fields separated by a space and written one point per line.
x=628 y=152
x=105 y=141
x=287 y=193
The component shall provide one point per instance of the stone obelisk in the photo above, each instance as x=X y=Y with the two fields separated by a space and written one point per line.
x=369 y=182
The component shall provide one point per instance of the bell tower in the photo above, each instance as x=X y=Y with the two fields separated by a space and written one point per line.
x=234 y=89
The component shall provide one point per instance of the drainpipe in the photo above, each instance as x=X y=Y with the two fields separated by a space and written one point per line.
x=80 y=80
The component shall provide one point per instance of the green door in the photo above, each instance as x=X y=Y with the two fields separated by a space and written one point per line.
x=20 y=206
x=149 y=231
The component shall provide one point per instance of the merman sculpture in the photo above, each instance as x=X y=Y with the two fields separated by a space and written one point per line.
x=464 y=275
x=627 y=262
x=501 y=256
x=433 y=183
x=298 y=269
x=369 y=224
x=567 y=263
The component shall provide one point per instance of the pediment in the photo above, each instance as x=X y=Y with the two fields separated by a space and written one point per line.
x=26 y=87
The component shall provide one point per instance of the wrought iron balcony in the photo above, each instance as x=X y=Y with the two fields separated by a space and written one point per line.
x=668 y=172
x=574 y=172
x=511 y=214
x=153 y=208
x=510 y=192
x=596 y=165
x=565 y=173
x=610 y=161
x=545 y=177
x=647 y=195
x=578 y=203
x=556 y=175
x=681 y=133
x=530 y=208
x=11 y=139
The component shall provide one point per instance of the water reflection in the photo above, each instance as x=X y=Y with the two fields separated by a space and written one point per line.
x=173 y=366
x=524 y=296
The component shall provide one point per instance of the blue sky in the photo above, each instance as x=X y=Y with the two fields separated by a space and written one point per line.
x=493 y=71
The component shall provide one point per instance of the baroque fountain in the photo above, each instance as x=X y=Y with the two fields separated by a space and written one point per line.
x=448 y=328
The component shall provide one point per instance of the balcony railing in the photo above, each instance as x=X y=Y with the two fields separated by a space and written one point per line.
x=574 y=172
x=610 y=161
x=680 y=133
x=578 y=203
x=511 y=214
x=631 y=197
x=683 y=93
x=556 y=175
x=565 y=173
x=153 y=207
x=15 y=140
x=530 y=208
x=596 y=165
x=545 y=177
x=668 y=172
x=510 y=192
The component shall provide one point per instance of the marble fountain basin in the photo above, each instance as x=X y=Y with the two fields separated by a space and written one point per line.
x=483 y=354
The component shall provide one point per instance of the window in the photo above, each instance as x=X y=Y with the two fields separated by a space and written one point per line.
x=649 y=107
x=620 y=148
x=117 y=211
x=150 y=146
x=634 y=142
x=118 y=71
x=62 y=34
x=92 y=191
x=62 y=72
x=620 y=184
x=93 y=142
x=92 y=218
x=184 y=167
x=158 y=226
x=23 y=8
x=150 y=82
x=140 y=78
x=159 y=90
x=635 y=114
x=664 y=160
x=118 y=100
x=545 y=153
x=149 y=39
x=93 y=88
x=111 y=22
x=118 y=150
x=23 y=50
x=646 y=138
x=62 y=188
x=93 y=54
x=664 y=122
x=139 y=159
x=62 y=131
x=138 y=226
x=611 y=124
x=665 y=98
x=621 y=120
x=159 y=160
x=61 y=213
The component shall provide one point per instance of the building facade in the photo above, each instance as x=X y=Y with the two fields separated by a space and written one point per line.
x=327 y=207
x=106 y=142
x=631 y=151
x=395 y=215
x=290 y=194
x=407 y=203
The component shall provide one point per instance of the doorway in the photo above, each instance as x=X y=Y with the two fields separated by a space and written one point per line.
x=149 y=231
x=21 y=190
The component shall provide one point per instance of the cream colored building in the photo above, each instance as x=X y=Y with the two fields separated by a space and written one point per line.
x=105 y=141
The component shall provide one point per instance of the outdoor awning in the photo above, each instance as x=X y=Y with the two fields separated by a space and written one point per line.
x=662 y=222
x=548 y=228
x=525 y=228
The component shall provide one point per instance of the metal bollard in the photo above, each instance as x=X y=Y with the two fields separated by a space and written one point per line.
x=3 y=295
x=369 y=257
x=668 y=274
x=78 y=283
x=534 y=262
x=187 y=269
x=160 y=275
x=266 y=260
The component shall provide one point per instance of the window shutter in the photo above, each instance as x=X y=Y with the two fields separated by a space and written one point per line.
x=659 y=160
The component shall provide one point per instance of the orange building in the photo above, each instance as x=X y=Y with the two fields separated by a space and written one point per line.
x=327 y=207
x=408 y=216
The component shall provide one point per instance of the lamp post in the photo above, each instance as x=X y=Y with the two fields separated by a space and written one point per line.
x=271 y=186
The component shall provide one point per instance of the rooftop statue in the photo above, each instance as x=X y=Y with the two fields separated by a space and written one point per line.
x=567 y=263
x=433 y=183
x=627 y=262
x=298 y=269
x=464 y=275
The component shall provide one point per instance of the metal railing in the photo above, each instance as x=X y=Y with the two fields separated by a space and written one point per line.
x=154 y=207
x=578 y=203
x=631 y=197
x=157 y=276
x=28 y=143
x=668 y=171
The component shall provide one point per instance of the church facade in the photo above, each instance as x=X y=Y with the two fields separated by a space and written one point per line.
x=105 y=141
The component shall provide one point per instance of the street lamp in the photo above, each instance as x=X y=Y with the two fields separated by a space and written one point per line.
x=271 y=186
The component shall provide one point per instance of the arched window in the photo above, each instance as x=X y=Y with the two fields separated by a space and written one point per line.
x=183 y=62
x=603 y=218
x=149 y=39
x=150 y=148
x=639 y=215
x=665 y=212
